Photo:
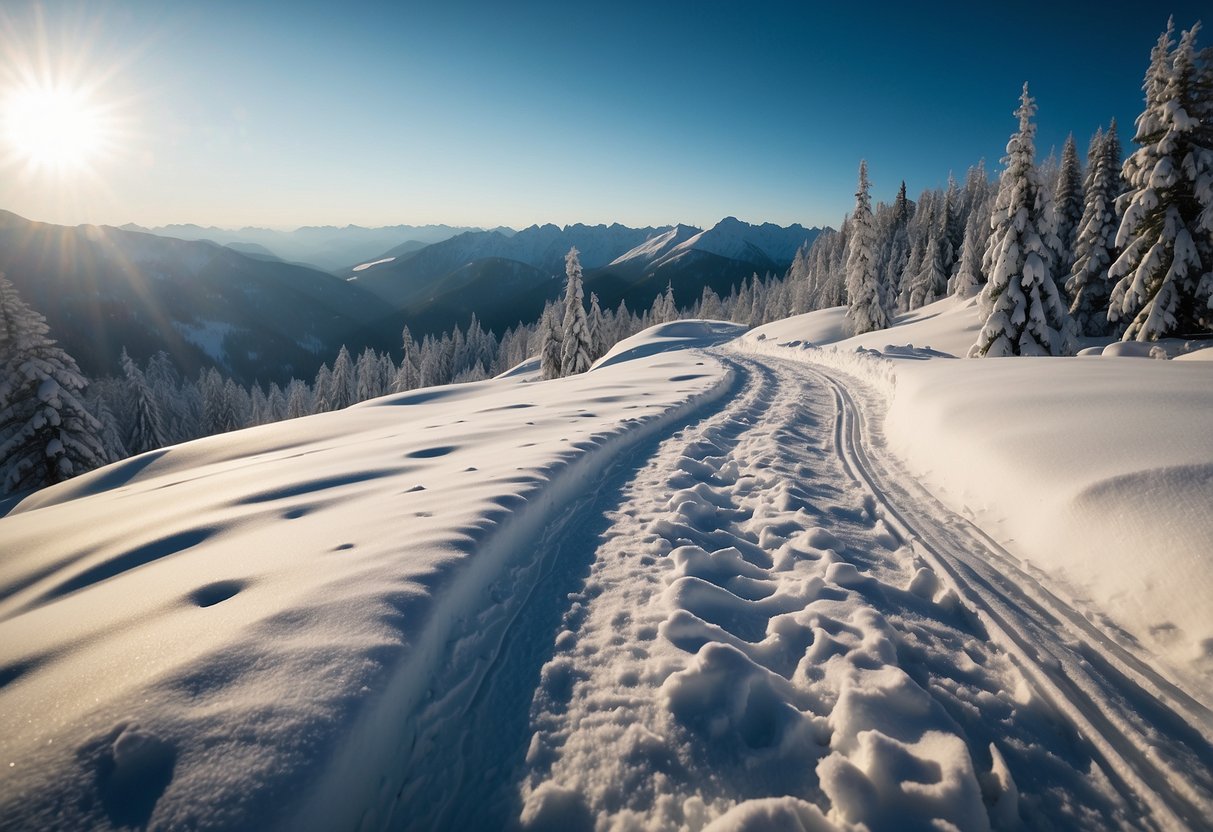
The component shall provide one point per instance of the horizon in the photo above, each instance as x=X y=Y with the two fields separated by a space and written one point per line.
x=473 y=116
x=461 y=228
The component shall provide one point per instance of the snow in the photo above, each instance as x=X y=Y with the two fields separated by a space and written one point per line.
x=948 y=326
x=1094 y=472
x=783 y=579
x=362 y=266
x=208 y=336
x=230 y=619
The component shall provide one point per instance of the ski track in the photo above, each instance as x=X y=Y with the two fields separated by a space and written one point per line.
x=761 y=620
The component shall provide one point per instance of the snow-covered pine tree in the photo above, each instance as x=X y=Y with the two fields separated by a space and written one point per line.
x=549 y=345
x=1068 y=205
x=865 y=294
x=47 y=434
x=968 y=278
x=146 y=431
x=367 y=383
x=1165 y=269
x=322 y=390
x=598 y=329
x=1022 y=311
x=575 y=344
x=951 y=230
x=276 y=403
x=110 y=435
x=343 y=380
x=931 y=282
x=298 y=399
x=237 y=407
x=259 y=406
x=406 y=373
x=669 y=305
x=1095 y=247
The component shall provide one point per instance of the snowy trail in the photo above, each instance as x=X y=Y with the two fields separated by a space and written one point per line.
x=1152 y=734
x=780 y=626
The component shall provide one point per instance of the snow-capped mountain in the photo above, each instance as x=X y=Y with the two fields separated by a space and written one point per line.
x=433 y=285
x=411 y=279
x=770 y=246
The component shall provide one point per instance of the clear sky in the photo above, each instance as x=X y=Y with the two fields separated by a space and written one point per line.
x=510 y=113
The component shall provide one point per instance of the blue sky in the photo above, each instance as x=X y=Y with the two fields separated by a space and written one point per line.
x=512 y=113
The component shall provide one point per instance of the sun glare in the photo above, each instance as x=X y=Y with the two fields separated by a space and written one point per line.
x=54 y=127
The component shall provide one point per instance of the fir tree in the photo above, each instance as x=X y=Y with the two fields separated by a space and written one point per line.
x=968 y=279
x=1165 y=269
x=669 y=307
x=343 y=381
x=298 y=399
x=931 y=282
x=865 y=308
x=1022 y=311
x=575 y=346
x=1095 y=247
x=598 y=329
x=322 y=390
x=549 y=347
x=1068 y=205
x=47 y=434
x=147 y=427
x=368 y=383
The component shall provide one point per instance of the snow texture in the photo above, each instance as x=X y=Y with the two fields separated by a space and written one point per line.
x=721 y=582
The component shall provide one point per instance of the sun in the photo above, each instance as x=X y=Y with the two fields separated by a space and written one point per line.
x=54 y=127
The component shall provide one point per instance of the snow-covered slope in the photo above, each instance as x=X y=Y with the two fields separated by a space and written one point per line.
x=207 y=635
x=717 y=582
x=656 y=247
x=1097 y=470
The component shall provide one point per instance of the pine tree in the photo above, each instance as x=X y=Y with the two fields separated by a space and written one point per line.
x=298 y=399
x=259 y=406
x=931 y=282
x=1068 y=205
x=47 y=434
x=147 y=428
x=368 y=384
x=1022 y=311
x=598 y=329
x=575 y=347
x=968 y=279
x=110 y=435
x=866 y=296
x=669 y=307
x=322 y=390
x=342 y=391
x=951 y=230
x=1165 y=269
x=276 y=403
x=1095 y=247
x=549 y=347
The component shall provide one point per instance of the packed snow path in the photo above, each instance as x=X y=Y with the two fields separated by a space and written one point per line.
x=780 y=627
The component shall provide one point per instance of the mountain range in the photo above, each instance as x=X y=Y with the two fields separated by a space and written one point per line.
x=227 y=300
x=325 y=247
x=103 y=289
x=505 y=280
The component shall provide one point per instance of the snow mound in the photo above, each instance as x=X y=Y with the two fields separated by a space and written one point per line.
x=946 y=326
x=676 y=335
